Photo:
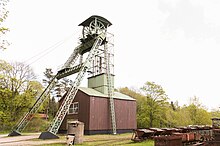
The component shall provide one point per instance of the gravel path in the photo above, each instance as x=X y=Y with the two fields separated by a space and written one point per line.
x=26 y=140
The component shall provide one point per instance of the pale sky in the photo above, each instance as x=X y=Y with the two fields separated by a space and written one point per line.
x=174 y=43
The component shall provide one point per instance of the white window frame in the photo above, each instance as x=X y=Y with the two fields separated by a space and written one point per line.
x=74 y=108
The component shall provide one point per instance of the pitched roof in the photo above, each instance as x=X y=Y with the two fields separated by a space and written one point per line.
x=90 y=19
x=93 y=92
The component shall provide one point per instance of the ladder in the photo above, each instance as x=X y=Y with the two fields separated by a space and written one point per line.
x=60 y=115
x=110 y=91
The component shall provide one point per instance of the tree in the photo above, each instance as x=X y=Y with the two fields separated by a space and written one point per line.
x=18 y=91
x=156 y=103
x=153 y=110
x=198 y=113
x=35 y=88
x=51 y=106
x=5 y=96
x=215 y=113
x=15 y=76
x=178 y=117
x=13 y=106
x=151 y=104
x=3 y=30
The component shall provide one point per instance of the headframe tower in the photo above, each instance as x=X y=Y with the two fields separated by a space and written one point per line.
x=96 y=43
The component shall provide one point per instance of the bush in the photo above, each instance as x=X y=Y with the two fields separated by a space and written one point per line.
x=37 y=125
x=5 y=122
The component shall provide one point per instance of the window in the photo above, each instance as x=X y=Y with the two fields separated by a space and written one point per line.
x=74 y=108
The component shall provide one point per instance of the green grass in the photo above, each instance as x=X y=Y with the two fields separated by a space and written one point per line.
x=37 y=125
x=109 y=140
x=118 y=142
x=5 y=132
x=109 y=143
x=54 y=144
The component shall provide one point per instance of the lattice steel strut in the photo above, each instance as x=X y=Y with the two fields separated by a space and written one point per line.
x=57 y=121
x=26 y=119
x=110 y=92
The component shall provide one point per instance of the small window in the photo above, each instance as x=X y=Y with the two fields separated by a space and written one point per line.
x=74 y=108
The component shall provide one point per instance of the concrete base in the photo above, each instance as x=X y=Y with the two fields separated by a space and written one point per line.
x=14 y=133
x=48 y=135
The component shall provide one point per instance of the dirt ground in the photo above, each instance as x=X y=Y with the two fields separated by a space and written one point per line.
x=26 y=140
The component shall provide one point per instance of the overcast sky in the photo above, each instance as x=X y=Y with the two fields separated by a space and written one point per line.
x=174 y=43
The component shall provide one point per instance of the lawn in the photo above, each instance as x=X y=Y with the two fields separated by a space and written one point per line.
x=109 y=140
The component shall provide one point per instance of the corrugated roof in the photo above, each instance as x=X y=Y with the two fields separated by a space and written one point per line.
x=119 y=95
x=93 y=92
